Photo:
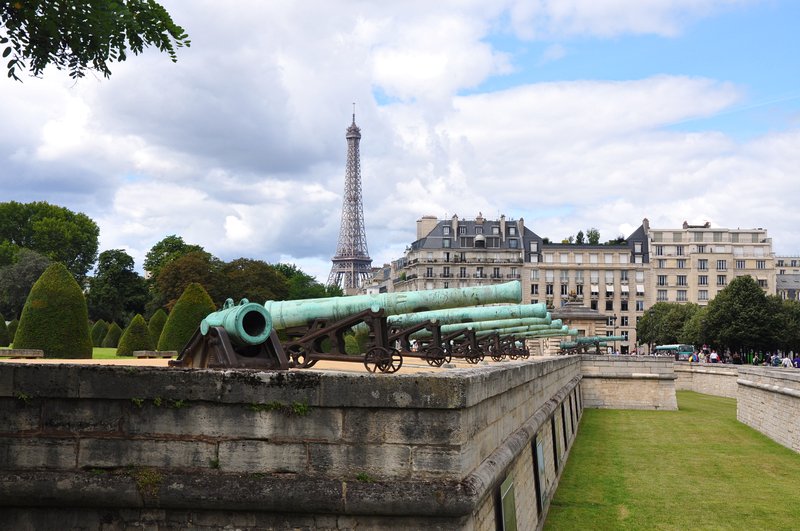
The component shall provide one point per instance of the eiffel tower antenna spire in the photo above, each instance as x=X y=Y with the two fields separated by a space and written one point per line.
x=352 y=266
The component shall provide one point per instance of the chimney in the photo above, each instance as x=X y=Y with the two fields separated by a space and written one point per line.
x=503 y=228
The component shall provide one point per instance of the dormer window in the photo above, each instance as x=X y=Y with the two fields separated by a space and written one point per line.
x=462 y=229
x=478 y=230
x=446 y=230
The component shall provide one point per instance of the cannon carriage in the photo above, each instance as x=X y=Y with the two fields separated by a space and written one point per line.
x=297 y=334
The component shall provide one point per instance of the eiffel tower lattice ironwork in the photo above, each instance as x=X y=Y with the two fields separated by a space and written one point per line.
x=352 y=266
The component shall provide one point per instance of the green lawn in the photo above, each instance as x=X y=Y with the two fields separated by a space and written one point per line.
x=696 y=468
x=103 y=353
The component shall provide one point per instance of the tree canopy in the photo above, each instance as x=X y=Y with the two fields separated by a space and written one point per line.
x=17 y=279
x=116 y=292
x=83 y=34
x=164 y=252
x=53 y=231
x=304 y=286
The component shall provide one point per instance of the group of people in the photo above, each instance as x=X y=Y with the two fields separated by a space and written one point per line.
x=776 y=360
x=768 y=360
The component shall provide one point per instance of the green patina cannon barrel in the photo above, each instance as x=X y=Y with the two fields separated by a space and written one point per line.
x=557 y=329
x=471 y=314
x=247 y=323
x=287 y=314
x=494 y=325
x=590 y=340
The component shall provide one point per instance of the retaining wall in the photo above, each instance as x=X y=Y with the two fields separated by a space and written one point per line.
x=769 y=401
x=628 y=382
x=708 y=378
x=114 y=447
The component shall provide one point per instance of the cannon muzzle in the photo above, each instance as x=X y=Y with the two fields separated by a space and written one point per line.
x=288 y=314
x=247 y=323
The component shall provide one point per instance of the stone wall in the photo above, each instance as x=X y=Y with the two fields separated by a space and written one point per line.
x=628 y=382
x=769 y=401
x=707 y=378
x=82 y=446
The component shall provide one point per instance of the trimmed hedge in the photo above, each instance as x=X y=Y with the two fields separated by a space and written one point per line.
x=191 y=308
x=156 y=325
x=12 y=330
x=135 y=337
x=5 y=340
x=98 y=333
x=112 y=336
x=54 y=318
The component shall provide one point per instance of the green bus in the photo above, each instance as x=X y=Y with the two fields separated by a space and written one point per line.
x=681 y=352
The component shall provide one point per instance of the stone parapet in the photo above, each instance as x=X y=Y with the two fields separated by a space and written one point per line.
x=708 y=378
x=628 y=382
x=348 y=448
x=769 y=401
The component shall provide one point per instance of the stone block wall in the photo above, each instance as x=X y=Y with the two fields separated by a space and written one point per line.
x=707 y=378
x=769 y=401
x=325 y=450
x=628 y=382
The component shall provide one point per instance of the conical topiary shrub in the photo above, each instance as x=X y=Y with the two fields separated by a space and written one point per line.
x=4 y=338
x=135 y=337
x=191 y=308
x=112 y=336
x=156 y=325
x=98 y=333
x=12 y=330
x=54 y=317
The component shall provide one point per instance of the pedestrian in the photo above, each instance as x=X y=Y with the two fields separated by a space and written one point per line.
x=714 y=356
x=796 y=361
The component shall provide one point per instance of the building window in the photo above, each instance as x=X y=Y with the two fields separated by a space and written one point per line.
x=662 y=295
x=478 y=229
x=624 y=305
x=702 y=264
x=506 y=506
x=563 y=258
x=593 y=305
x=682 y=280
x=682 y=295
x=512 y=231
x=479 y=272
x=462 y=272
x=495 y=272
x=534 y=289
x=594 y=276
x=592 y=258
x=661 y=264
x=548 y=258
x=549 y=275
x=609 y=305
x=740 y=264
x=564 y=276
x=579 y=258
x=579 y=290
x=446 y=243
x=513 y=243
x=639 y=306
x=446 y=271
x=702 y=280
x=762 y=283
x=681 y=263
x=679 y=250
x=548 y=289
x=623 y=321
x=623 y=259
x=717 y=236
x=534 y=247
x=446 y=230
x=761 y=264
x=535 y=275
x=721 y=280
x=623 y=275
x=640 y=290
x=637 y=259
x=446 y=284
x=722 y=265
x=564 y=289
x=608 y=258
x=462 y=229
x=637 y=247
x=662 y=280
x=428 y=272
x=701 y=248
x=579 y=277
x=495 y=229
x=659 y=250
x=702 y=295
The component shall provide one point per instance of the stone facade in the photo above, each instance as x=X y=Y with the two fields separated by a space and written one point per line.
x=628 y=382
x=768 y=400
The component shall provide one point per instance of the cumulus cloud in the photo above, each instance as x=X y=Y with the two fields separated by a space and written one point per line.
x=240 y=146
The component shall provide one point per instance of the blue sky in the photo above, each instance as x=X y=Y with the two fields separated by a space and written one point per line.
x=570 y=113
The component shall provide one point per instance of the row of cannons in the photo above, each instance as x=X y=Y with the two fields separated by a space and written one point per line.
x=433 y=325
x=584 y=345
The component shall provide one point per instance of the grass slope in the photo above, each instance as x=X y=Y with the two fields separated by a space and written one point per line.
x=696 y=468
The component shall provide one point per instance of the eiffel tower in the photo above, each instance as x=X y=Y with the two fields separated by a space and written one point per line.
x=352 y=264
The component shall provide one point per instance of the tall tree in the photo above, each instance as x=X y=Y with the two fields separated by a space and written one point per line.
x=116 y=292
x=56 y=232
x=255 y=280
x=83 y=34
x=304 y=286
x=579 y=238
x=164 y=252
x=740 y=317
x=17 y=279
x=195 y=267
x=593 y=235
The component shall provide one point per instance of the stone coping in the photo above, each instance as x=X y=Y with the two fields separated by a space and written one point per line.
x=453 y=388
x=629 y=376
